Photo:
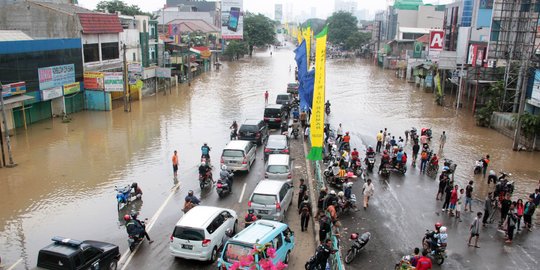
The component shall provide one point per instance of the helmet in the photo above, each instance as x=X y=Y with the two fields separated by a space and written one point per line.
x=438 y=225
x=190 y=193
x=333 y=192
x=224 y=167
x=369 y=147
x=229 y=232
x=127 y=218
x=251 y=211
x=354 y=236
x=443 y=229
x=341 y=194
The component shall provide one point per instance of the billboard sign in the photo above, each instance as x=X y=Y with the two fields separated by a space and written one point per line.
x=436 y=40
x=93 y=80
x=52 y=93
x=13 y=89
x=471 y=58
x=55 y=76
x=232 y=19
x=113 y=81
x=72 y=88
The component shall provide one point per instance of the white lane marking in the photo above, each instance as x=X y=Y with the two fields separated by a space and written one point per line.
x=128 y=255
x=242 y=193
x=15 y=264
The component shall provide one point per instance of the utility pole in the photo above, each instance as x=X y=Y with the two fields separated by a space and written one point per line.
x=189 y=59
x=11 y=164
x=126 y=86
x=517 y=132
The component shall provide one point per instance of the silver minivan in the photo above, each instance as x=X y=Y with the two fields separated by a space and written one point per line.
x=239 y=155
x=271 y=199
x=278 y=167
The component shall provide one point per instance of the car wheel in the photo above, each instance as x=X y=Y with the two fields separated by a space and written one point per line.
x=287 y=257
x=213 y=257
x=113 y=265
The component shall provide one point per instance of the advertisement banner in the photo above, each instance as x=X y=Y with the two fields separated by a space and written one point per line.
x=55 y=76
x=418 y=48
x=72 y=88
x=317 y=116
x=471 y=59
x=232 y=19
x=436 y=40
x=93 y=80
x=12 y=89
x=163 y=72
x=51 y=93
x=114 y=81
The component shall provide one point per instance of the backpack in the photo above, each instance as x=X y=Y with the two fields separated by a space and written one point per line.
x=424 y=155
x=304 y=208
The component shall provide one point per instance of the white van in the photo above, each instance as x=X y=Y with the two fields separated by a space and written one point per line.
x=278 y=167
x=239 y=155
x=199 y=234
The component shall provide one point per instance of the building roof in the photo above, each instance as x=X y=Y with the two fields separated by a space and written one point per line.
x=99 y=23
x=423 y=39
x=184 y=26
x=416 y=30
x=13 y=35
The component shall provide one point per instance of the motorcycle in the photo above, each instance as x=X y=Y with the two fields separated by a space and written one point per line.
x=358 y=244
x=348 y=204
x=295 y=133
x=370 y=162
x=440 y=252
x=205 y=180
x=478 y=166
x=123 y=196
x=432 y=169
x=385 y=171
x=222 y=188
x=136 y=239
x=332 y=179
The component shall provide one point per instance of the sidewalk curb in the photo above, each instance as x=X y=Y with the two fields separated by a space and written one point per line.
x=312 y=185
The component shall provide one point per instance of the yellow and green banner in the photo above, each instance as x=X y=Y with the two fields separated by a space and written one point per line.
x=299 y=36
x=306 y=33
x=317 y=115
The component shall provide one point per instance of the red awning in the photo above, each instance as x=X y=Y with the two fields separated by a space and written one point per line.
x=99 y=23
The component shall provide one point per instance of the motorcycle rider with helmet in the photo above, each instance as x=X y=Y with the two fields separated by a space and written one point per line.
x=250 y=217
x=135 y=228
x=192 y=198
x=205 y=152
x=226 y=176
x=134 y=216
x=437 y=236
x=204 y=171
x=385 y=159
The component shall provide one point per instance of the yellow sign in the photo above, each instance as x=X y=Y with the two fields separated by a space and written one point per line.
x=317 y=116
x=307 y=36
x=71 y=88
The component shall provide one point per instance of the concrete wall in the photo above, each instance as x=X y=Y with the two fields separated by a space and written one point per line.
x=39 y=22
x=429 y=18
x=407 y=18
x=130 y=37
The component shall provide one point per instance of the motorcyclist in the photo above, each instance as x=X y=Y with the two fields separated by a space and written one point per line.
x=439 y=239
x=204 y=170
x=370 y=152
x=345 y=141
x=331 y=198
x=341 y=200
x=492 y=177
x=284 y=127
x=399 y=158
x=134 y=216
x=234 y=130
x=295 y=113
x=226 y=176
x=432 y=241
x=385 y=159
x=134 y=228
x=250 y=217
x=205 y=151
x=347 y=187
x=354 y=157
x=295 y=126
x=192 y=198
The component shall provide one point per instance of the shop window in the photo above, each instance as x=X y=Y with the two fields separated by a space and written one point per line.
x=91 y=52
x=109 y=50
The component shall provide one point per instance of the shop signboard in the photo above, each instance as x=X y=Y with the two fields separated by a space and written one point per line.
x=114 y=81
x=163 y=72
x=51 y=93
x=12 y=89
x=93 y=80
x=55 y=76
x=72 y=88
x=232 y=19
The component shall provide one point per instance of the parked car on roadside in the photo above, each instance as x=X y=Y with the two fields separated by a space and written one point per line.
x=276 y=144
x=253 y=130
x=199 y=233
x=70 y=254
x=274 y=114
x=285 y=100
x=292 y=88
x=271 y=199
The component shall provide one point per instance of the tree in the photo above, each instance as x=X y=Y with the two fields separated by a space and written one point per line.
x=114 y=6
x=258 y=31
x=316 y=24
x=341 y=25
x=357 y=40
x=493 y=95
x=235 y=49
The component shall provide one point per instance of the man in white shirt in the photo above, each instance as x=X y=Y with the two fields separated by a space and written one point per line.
x=368 y=190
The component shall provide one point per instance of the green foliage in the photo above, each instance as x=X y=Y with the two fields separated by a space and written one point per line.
x=235 y=49
x=493 y=95
x=357 y=40
x=341 y=25
x=113 y=6
x=258 y=31
x=530 y=124
x=316 y=24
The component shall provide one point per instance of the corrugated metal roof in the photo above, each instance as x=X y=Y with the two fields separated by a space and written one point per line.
x=184 y=26
x=99 y=23
x=13 y=35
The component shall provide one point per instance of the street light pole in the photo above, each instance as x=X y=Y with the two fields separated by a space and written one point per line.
x=6 y=133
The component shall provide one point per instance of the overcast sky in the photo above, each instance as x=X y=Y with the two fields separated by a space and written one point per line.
x=323 y=7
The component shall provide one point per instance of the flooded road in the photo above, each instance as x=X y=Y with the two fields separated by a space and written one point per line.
x=64 y=184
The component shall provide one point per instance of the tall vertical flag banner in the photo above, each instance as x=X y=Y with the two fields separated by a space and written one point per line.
x=306 y=33
x=317 y=115
x=299 y=36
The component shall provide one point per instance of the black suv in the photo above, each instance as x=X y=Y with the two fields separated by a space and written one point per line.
x=68 y=254
x=285 y=100
x=253 y=130
x=275 y=114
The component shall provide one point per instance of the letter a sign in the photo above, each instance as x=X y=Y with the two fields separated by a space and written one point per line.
x=436 y=40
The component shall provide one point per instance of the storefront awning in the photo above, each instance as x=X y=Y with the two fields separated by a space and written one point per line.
x=15 y=99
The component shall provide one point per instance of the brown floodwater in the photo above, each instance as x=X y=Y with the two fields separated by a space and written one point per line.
x=66 y=173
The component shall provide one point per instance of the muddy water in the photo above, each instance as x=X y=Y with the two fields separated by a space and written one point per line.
x=64 y=184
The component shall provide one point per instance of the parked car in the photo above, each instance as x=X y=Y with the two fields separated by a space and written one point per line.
x=253 y=130
x=274 y=114
x=199 y=233
x=276 y=144
x=271 y=199
x=292 y=88
x=285 y=100
x=278 y=167
x=261 y=232
x=65 y=253
x=239 y=155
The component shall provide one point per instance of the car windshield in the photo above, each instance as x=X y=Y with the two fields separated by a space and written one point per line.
x=277 y=169
x=248 y=128
x=272 y=112
x=233 y=153
x=276 y=142
x=283 y=97
x=186 y=233
x=235 y=252
x=265 y=199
